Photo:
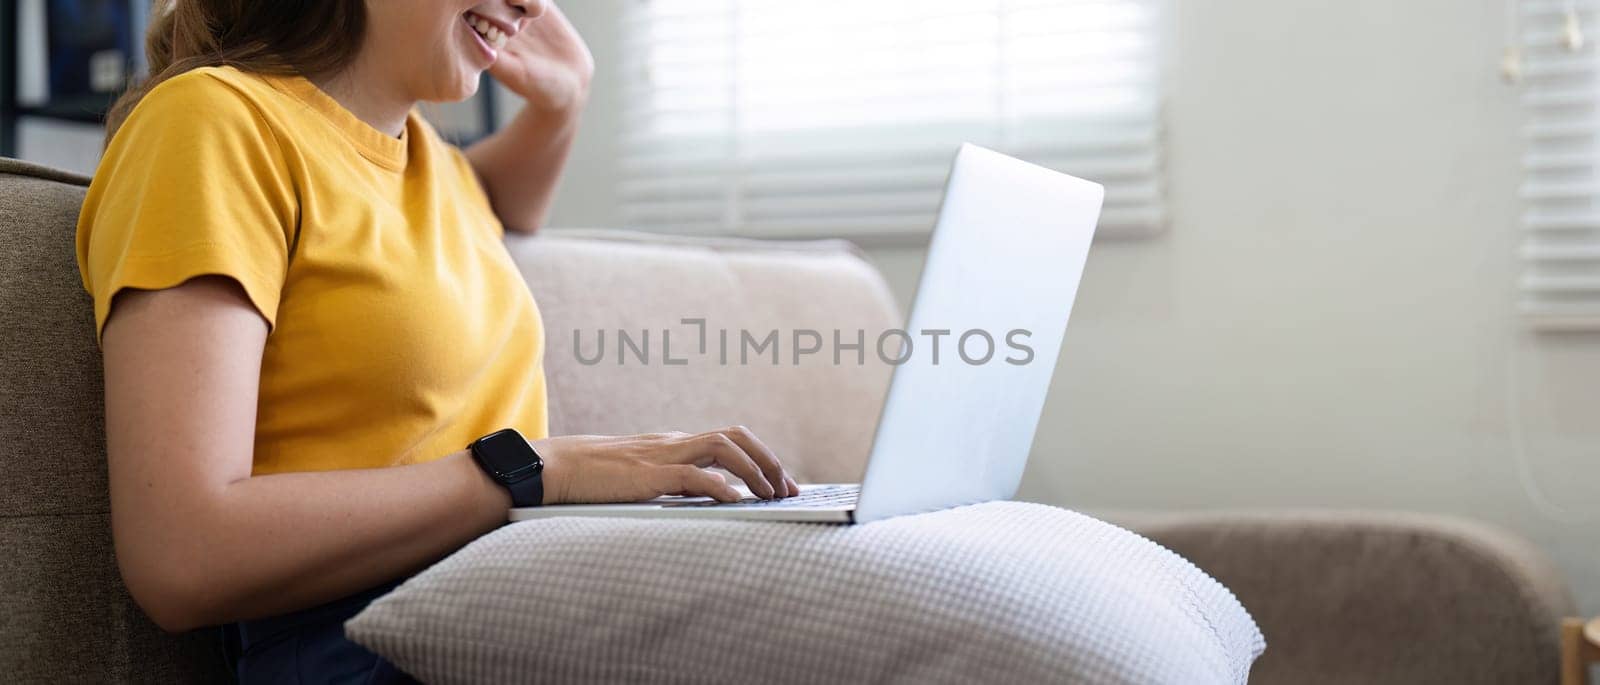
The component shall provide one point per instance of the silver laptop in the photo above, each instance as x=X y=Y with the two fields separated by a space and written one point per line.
x=1007 y=253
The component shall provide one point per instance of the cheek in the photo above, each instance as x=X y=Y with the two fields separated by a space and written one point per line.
x=453 y=71
x=429 y=52
x=409 y=43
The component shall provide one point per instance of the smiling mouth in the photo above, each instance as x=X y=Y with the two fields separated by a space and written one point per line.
x=490 y=33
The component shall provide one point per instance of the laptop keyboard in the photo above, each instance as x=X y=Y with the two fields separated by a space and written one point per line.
x=828 y=497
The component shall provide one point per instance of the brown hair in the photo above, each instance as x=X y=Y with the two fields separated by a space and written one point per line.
x=261 y=36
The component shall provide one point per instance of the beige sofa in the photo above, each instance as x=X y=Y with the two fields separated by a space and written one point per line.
x=1342 y=597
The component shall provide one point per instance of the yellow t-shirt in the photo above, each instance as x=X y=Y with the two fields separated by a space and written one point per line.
x=399 y=328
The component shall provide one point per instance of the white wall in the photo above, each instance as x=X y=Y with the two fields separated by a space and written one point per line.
x=1328 y=323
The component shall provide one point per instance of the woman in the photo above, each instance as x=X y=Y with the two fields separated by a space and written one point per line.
x=307 y=314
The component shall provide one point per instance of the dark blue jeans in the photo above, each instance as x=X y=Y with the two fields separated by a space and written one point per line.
x=308 y=647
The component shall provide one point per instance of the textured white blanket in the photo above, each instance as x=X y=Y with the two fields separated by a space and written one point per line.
x=998 y=592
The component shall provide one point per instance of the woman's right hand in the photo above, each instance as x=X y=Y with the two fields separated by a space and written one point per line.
x=593 y=469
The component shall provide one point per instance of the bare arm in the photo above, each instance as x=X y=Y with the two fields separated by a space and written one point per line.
x=201 y=541
x=548 y=64
x=520 y=165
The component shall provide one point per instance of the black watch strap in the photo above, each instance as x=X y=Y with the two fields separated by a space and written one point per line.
x=528 y=492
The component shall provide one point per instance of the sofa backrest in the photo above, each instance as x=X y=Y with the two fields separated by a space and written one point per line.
x=817 y=415
x=64 y=614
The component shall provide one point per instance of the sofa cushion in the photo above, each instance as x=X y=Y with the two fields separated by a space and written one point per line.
x=50 y=392
x=998 y=592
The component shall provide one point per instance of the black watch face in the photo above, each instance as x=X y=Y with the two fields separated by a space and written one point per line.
x=507 y=455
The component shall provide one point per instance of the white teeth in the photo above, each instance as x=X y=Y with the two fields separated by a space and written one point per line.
x=491 y=34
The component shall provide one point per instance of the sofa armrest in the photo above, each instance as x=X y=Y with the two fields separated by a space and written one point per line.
x=1377 y=597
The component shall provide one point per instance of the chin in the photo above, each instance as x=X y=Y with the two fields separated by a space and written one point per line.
x=466 y=90
x=456 y=88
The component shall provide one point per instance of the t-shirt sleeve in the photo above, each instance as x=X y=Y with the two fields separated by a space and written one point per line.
x=194 y=183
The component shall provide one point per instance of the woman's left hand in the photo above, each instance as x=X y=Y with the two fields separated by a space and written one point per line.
x=547 y=62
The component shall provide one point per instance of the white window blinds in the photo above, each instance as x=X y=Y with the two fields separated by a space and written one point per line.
x=775 y=118
x=1560 y=251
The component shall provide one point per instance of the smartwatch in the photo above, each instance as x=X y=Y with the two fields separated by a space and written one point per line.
x=510 y=461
